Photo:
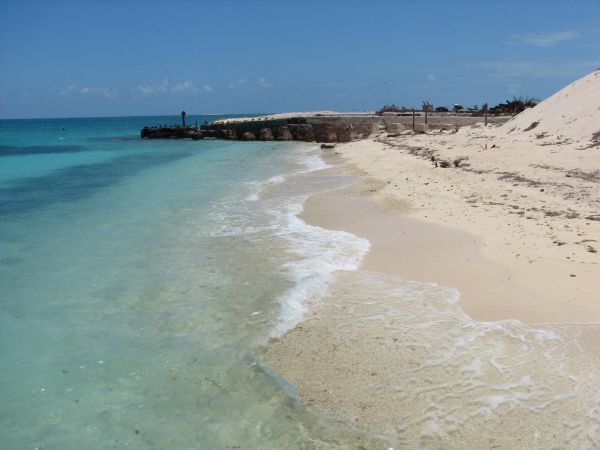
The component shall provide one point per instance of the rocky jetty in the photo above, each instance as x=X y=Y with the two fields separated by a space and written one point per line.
x=172 y=132
x=327 y=128
x=250 y=129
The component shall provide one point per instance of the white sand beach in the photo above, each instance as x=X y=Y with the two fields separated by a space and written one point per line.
x=514 y=227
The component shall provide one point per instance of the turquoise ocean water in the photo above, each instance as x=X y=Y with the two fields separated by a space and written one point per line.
x=140 y=279
x=137 y=279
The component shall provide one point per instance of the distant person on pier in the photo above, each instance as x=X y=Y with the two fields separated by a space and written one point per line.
x=183 y=118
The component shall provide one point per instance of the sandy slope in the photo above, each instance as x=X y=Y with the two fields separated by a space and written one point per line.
x=570 y=115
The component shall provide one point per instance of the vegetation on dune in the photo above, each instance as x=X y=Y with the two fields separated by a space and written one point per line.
x=514 y=106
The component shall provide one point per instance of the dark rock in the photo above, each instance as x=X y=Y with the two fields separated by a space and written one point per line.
x=212 y=134
x=327 y=146
x=303 y=132
x=171 y=132
x=266 y=135
x=326 y=133
x=296 y=120
x=229 y=133
x=346 y=133
x=248 y=136
x=284 y=134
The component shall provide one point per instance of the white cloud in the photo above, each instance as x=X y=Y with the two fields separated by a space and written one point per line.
x=263 y=83
x=71 y=91
x=186 y=86
x=208 y=88
x=431 y=77
x=154 y=88
x=238 y=83
x=543 y=39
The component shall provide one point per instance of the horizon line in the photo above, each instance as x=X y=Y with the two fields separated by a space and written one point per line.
x=135 y=115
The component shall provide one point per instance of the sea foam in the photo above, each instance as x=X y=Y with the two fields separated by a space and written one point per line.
x=314 y=163
x=313 y=254
x=455 y=379
x=258 y=186
x=319 y=254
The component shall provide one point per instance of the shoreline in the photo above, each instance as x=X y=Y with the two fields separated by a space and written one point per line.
x=347 y=356
x=528 y=249
x=413 y=249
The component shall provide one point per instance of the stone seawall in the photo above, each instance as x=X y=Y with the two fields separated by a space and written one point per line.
x=315 y=128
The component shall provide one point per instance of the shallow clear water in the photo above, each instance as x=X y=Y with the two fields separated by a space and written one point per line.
x=455 y=382
x=137 y=279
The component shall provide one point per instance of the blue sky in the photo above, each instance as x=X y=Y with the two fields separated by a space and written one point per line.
x=82 y=58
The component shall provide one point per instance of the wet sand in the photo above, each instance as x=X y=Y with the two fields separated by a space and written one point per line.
x=443 y=363
x=416 y=250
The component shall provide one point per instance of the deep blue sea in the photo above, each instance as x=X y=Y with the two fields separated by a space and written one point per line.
x=138 y=278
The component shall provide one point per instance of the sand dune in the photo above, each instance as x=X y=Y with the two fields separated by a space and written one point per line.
x=573 y=113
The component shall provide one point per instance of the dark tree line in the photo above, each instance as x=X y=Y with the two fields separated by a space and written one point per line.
x=513 y=106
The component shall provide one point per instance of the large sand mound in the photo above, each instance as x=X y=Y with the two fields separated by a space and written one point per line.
x=573 y=113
